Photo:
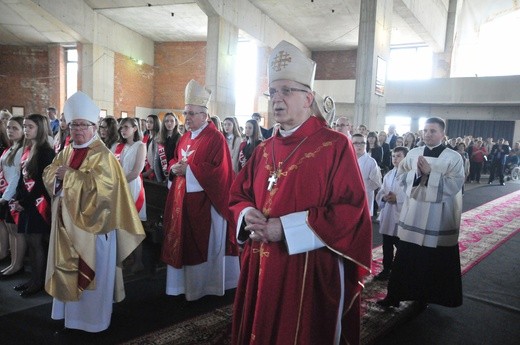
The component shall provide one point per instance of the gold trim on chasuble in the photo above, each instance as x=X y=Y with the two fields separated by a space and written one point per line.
x=266 y=210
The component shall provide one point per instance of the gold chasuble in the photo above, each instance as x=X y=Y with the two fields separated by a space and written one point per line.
x=93 y=200
x=285 y=298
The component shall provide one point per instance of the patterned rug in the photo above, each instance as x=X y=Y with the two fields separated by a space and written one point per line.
x=483 y=229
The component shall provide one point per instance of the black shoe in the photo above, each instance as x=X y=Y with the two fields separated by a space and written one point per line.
x=12 y=275
x=383 y=275
x=388 y=303
x=502 y=184
x=21 y=287
x=489 y=182
x=31 y=291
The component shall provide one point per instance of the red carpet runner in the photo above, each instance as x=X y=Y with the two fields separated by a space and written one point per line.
x=483 y=229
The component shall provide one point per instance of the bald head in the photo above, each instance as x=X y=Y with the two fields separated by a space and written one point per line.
x=343 y=125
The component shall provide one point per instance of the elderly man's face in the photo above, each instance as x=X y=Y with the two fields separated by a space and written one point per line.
x=195 y=116
x=343 y=126
x=290 y=102
x=82 y=131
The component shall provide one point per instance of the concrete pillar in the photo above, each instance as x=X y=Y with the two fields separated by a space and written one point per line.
x=57 y=77
x=97 y=75
x=375 y=25
x=221 y=53
x=442 y=61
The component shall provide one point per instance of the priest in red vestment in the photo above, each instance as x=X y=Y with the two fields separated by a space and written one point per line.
x=198 y=248
x=303 y=219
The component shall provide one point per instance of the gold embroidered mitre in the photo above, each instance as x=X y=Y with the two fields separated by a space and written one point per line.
x=195 y=94
x=288 y=62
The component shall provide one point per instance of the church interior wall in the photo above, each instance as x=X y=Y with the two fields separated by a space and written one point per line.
x=176 y=63
x=133 y=85
x=24 y=78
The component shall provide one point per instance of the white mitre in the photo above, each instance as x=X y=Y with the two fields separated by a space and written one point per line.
x=195 y=94
x=289 y=63
x=80 y=106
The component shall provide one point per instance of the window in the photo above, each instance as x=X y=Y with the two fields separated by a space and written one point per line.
x=402 y=123
x=410 y=63
x=71 y=73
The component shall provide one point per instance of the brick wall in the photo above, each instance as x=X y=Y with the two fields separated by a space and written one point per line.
x=334 y=65
x=24 y=78
x=176 y=63
x=133 y=85
x=57 y=74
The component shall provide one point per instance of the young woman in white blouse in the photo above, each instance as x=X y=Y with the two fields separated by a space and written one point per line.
x=10 y=174
x=131 y=153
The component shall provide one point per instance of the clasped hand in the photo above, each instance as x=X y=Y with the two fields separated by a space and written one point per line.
x=423 y=166
x=179 y=168
x=262 y=229
x=60 y=172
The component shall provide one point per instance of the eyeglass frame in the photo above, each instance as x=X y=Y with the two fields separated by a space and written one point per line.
x=80 y=126
x=193 y=113
x=285 y=91
x=359 y=143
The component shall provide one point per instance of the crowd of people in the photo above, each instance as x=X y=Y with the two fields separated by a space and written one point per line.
x=275 y=213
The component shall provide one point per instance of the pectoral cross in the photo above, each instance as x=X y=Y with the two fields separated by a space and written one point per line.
x=272 y=181
x=186 y=153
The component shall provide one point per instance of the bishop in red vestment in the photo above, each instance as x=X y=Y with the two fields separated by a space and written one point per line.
x=200 y=252
x=303 y=220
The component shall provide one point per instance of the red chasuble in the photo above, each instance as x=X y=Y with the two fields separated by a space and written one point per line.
x=86 y=274
x=294 y=299
x=187 y=217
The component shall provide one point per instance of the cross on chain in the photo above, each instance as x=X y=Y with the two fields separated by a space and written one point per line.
x=282 y=59
x=272 y=181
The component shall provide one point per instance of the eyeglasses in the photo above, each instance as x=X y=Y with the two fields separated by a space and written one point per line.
x=80 y=126
x=285 y=91
x=103 y=127
x=359 y=143
x=342 y=125
x=191 y=113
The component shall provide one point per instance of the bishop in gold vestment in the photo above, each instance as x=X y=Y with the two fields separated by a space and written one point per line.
x=95 y=225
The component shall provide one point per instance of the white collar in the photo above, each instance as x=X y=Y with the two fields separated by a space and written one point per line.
x=285 y=133
x=82 y=146
x=431 y=148
x=196 y=133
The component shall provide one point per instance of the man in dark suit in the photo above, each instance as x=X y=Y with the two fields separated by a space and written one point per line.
x=266 y=133
x=499 y=154
x=392 y=136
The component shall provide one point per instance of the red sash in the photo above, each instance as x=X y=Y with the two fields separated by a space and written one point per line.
x=57 y=144
x=140 y=198
x=3 y=181
x=42 y=205
x=162 y=158
x=147 y=165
